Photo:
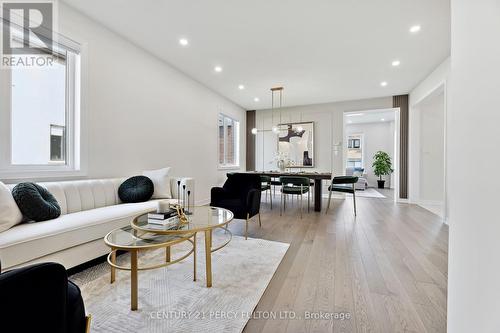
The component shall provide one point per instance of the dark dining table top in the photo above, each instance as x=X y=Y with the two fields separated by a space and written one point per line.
x=308 y=174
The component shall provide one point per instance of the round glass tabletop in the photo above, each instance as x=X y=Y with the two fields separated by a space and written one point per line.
x=128 y=238
x=201 y=218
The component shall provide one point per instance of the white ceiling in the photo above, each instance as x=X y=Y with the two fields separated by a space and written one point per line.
x=371 y=116
x=319 y=50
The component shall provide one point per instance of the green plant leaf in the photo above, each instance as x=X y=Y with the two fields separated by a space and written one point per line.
x=382 y=164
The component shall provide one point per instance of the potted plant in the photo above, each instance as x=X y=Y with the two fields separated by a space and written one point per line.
x=382 y=166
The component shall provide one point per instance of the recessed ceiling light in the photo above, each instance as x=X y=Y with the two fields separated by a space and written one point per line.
x=382 y=119
x=383 y=83
x=354 y=114
x=241 y=87
x=414 y=29
x=349 y=121
x=183 y=42
x=256 y=99
x=218 y=69
x=396 y=63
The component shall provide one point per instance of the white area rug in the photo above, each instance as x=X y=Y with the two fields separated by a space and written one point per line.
x=368 y=193
x=169 y=300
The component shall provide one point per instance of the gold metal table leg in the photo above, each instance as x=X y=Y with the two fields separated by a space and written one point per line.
x=208 y=256
x=113 y=260
x=133 y=280
x=194 y=257
x=167 y=254
x=88 y=320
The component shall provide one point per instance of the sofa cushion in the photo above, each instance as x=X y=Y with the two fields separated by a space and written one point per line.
x=36 y=202
x=17 y=243
x=10 y=215
x=136 y=189
x=161 y=182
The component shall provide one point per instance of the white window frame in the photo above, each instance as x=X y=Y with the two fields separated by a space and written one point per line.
x=73 y=166
x=227 y=166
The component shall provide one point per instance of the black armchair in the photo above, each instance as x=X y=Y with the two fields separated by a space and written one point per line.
x=241 y=195
x=39 y=298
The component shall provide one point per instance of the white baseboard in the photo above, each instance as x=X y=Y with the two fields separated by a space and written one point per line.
x=202 y=202
x=430 y=202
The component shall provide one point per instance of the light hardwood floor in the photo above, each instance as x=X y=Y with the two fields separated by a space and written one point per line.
x=387 y=268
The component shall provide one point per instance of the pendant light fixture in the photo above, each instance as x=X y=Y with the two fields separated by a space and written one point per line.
x=279 y=98
x=279 y=91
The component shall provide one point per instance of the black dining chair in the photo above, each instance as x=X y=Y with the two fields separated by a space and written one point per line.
x=275 y=181
x=266 y=187
x=291 y=185
x=344 y=184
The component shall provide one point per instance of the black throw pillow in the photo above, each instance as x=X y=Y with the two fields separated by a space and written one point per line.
x=35 y=202
x=136 y=189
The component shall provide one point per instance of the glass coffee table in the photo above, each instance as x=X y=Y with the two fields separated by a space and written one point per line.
x=201 y=219
x=133 y=241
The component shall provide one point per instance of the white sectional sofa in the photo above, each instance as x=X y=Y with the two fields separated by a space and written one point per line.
x=89 y=210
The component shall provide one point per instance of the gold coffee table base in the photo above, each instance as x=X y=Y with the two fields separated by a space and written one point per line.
x=134 y=266
x=202 y=219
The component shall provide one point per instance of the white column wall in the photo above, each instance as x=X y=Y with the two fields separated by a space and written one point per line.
x=472 y=124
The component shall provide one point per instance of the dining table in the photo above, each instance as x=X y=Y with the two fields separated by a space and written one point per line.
x=318 y=177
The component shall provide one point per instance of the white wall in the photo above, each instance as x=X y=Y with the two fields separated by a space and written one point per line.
x=432 y=150
x=328 y=131
x=432 y=82
x=377 y=136
x=140 y=113
x=472 y=124
x=432 y=86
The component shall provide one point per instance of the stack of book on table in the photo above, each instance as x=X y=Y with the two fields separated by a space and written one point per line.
x=167 y=219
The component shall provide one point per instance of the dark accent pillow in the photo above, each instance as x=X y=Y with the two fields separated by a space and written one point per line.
x=136 y=189
x=35 y=202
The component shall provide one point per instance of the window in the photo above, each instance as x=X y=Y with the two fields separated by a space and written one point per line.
x=228 y=141
x=354 y=143
x=355 y=151
x=41 y=115
x=57 y=144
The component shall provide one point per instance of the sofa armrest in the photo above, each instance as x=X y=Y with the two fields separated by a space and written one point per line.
x=41 y=289
x=189 y=182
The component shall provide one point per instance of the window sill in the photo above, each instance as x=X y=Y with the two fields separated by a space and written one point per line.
x=228 y=167
x=45 y=175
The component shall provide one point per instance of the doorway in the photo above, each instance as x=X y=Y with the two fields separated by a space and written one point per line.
x=366 y=133
x=430 y=180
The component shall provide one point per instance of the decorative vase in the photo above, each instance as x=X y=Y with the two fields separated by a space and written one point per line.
x=281 y=165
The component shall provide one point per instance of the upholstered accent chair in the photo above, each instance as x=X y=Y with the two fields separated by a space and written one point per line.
x=39 y=298
x=343 y=184
x=362 y=183
x=241 y=195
